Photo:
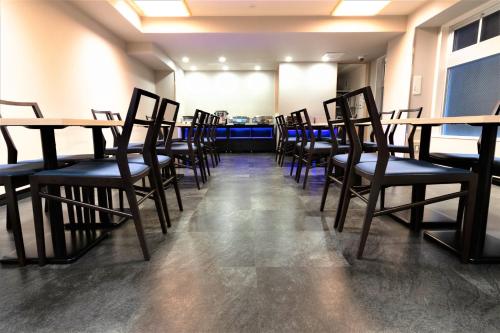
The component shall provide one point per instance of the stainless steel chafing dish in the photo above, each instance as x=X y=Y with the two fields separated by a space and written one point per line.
x=262 y=120
x=240 y=120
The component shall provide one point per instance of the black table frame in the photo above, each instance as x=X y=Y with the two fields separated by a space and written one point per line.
x=87 y=239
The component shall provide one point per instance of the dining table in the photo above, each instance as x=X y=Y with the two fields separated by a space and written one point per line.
x=65 y=250
x=485 y=248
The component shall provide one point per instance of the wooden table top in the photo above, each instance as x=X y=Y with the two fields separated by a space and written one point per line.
x=58 y=122
x=471 y=120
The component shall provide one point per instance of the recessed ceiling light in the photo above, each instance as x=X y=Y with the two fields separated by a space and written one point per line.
x=226 y=68
x=193 y=68
x=222 y=59
x=288 y=58
x=185 y=60
x=359 y=7
x=162 y=8
x=325 y=58
x=257 y=68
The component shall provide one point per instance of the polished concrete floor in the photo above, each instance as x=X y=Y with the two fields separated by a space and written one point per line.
x=252 y=253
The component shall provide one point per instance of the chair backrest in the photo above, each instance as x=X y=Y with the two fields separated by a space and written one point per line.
x=410 y=113
x=168 y=124
x=11 y=147
x=495 y=112
x=384 y=115
x=297 y=121
x=374 y=119
x=330 y=105
x=280 y=120
x=109 y=115
x=153 y=128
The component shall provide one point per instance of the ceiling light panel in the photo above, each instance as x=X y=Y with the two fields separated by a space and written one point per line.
x=162 y=8
x=359 y=7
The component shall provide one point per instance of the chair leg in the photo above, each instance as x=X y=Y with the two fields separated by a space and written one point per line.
x=38 y=220
x=327 y=185
x=201 y=165
x=469 y=219
x=206 y=163
x=71 y=212
x=300 y=162
x=344 y=200
x=382 y=198
x=370 y=209
x=462 y=201
x=120 y=199
x=160 y=202
x=176 y=186
x=76 y=195
x=308 y=167
x=134 y=209
x=13 y=209
x=193 y=165
x=293 y=162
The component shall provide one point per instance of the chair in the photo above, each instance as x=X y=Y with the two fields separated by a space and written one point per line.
x=384 y=172
x=188 y=152
x=310 y=147
x=371 y=146
x=334 y=172
x=410 y=147
x=294 y=122
x=120 y=174
x=286 y=143
x=466 y=161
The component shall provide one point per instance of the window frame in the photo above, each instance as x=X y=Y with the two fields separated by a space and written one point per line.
x=447 y=58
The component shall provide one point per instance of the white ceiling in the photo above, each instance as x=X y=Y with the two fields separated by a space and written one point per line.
x=247 y=48
x=286 y=7
x=244 y=51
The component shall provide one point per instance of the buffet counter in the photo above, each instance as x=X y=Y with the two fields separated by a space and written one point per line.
x=237 y=138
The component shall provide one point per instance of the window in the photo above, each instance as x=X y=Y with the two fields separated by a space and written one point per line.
x=491 y=26
x=471 y=89
x=465 y=36
x=477 y=31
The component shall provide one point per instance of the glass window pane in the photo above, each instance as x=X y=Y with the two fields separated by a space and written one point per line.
x=471 y=90
x=465 y=36
x=491 y=26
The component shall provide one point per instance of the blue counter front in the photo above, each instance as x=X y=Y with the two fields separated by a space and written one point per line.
x=244 y=138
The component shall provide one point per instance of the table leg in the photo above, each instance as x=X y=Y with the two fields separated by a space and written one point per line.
x=484 y=172
x=55 y=208
x=418 y=191
x=99 y=148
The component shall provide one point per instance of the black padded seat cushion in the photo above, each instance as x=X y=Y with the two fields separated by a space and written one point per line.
x=320 y=147
x=178 y=147
x=398 y=148
x=460 y=160
x=75 y=158
x=163 y=160
x=133 y=148
x=370 y=144
x=20 y=169
x=95 y=169
x=341 y=159
x=400 y=170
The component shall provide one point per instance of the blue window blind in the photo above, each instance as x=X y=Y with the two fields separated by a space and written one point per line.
x=472 y=89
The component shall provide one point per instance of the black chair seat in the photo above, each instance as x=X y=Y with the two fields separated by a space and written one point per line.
x=369 y=144
x=320 y=147
x=75 y=158
x=95 y=169
x=398 y=148
x=133 y=148
x=415 y=171
x=20 y=169
x=460 y=160
x=341 y=159
x=180 y=147
x=163 y=160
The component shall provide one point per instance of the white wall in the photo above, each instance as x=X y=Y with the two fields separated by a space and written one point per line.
x=246 y=93
x=165 y=84
x=306 y=86
x=53 y=54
